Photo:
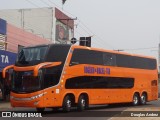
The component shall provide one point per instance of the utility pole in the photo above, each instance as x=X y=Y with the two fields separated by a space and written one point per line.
x=22 y=18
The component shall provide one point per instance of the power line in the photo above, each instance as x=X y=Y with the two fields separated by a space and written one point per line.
x=32 y=3
x=87 y=30
x=90 y=31
x=45 y=3
x=136 y=49
x=29 y=25
x=54 y=3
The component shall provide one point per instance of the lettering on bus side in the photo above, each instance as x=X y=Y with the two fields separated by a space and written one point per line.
x=96 y=70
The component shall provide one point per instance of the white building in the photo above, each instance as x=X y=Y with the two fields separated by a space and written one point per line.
x=49 y=23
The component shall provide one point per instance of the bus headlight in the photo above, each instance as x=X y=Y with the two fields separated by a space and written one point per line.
x=37 y=96
x=29 y=98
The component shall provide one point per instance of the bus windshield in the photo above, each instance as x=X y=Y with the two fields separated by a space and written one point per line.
x=25 y=82
x=26 y=55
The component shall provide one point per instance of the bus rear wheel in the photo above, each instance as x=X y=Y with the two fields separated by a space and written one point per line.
x=67 y=103
x=135 y=100
x=143 y=99
x=81 y=103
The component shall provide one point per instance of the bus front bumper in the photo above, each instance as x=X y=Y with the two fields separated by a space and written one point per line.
x=35 y=101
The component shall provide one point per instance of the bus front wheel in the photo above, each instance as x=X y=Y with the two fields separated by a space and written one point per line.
x=81 y=103
x=135 y=100
x=67 y=104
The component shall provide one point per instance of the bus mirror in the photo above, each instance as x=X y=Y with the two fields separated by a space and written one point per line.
x=5 y=69
x=45 y=65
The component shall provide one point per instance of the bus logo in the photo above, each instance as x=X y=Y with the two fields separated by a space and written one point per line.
x=6 y=114
x=96 y=70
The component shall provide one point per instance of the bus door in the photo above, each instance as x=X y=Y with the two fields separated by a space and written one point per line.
x=50 y=79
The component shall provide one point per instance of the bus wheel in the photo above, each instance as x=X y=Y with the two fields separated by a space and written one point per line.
x=67 y=104
x=81 y=103
x=143 y=99
x=40 y=109
x=135 y=100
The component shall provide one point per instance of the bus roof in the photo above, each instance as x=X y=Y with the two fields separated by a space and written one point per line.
x=112 y=51
x=96 y=49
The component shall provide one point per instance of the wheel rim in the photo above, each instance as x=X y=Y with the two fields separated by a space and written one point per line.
x=68 y=103
x=83 y=102
x=135 y=100
x=143 y=99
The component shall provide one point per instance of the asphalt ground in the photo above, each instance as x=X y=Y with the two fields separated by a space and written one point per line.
x=115 y=112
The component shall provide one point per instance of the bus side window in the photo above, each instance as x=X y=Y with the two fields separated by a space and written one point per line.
x=109 y=59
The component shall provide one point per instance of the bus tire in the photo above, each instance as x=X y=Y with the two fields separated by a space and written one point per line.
x=81 y=103
x=136 y=99
x=67 y=104
x=143 y=99
x=40 y=109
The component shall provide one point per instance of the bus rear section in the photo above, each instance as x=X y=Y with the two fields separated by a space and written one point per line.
x=54 y=76
x=112 y=77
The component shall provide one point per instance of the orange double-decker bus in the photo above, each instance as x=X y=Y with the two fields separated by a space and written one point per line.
x=56 y=75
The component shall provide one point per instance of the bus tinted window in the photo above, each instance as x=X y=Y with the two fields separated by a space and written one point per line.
x=56 y=53
x=82 y=56
x=135 y=62
x=152 y=64
x=52 y=76
x=86 y=82
x=51 y=80
x=109 y=59
x=31 y=55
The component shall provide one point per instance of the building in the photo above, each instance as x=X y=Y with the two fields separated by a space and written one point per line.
x=11 y=38
x=26 y=27
x=48 y=23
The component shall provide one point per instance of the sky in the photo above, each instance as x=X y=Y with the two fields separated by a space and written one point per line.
x=129 y=25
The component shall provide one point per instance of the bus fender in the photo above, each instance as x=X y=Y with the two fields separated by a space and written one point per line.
x=71 y=94
x=83 y=92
